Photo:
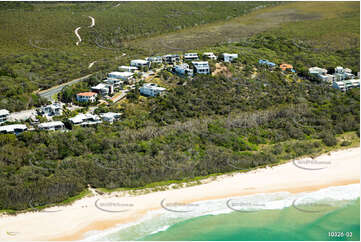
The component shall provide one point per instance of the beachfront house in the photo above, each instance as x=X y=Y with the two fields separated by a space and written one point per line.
x=4 y=115
x=171 y=59
x=51 y=126
x=151 y=89
x=229 y=57
x=209 y=55
x=86 y=97
x=190 y=56
x=110 y=116
x=103 y=89
x=201 y=67
x=86 y=119
x=13 y=129
x=267 y=63
x=131 y=69
x=155 y=59
x=183 y=69
x=139 y=63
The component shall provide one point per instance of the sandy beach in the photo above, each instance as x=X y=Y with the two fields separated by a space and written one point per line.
x=100 y=212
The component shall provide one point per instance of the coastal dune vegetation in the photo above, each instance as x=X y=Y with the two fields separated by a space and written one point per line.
x=245 y=117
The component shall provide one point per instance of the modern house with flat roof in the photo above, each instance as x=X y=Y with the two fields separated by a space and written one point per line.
x=201 y=67
x=124 y=75
x=154 y=59
x=229 y=57
x=51 y=126
x=86 y=97
x=171 y=59
x=103 y=88
x=13 y=129
x=85 y=119
x=116 y=83
x=190 y=56
x=54 y=109
x=346 y=85
x=317 y=71
x=210 y=55
x=4 y=115
x=139 y=63
x=151 y=89
x=128 y=68
x=183 y=69
x=110 y=116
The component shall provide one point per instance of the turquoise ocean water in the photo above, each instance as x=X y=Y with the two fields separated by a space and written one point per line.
x=329 y=214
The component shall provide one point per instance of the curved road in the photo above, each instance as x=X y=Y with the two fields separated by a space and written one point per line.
x=49 y=93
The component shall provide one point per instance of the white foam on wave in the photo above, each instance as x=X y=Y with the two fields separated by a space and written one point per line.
x=160 y=220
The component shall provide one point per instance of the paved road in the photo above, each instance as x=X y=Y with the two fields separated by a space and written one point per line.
x=48 y=93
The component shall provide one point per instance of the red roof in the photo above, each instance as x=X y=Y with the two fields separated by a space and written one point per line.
x=88 y=94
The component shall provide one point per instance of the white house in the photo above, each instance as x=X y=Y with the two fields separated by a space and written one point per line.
x=326 y=78
x=201 y=67
x=171 y=59
x=339 y=85
x=183 y=69
x=4 y=115
x=151 y=89
x=103 y=88
x=55 y=125
x=190 y=56
x=210 y=55
x=154 y=59
x=139 y=63
x=54 y=109
x=125 y=75
x=116 y=83
x=345 y=85
x=355 y=83
x=317 y=71
x=110 y=116
x=128 y=68
x=85 y=119
x=229 y=57
x=13 y=129
x=86 y=97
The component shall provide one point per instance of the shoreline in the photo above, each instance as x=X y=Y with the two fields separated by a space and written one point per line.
x=73 y=221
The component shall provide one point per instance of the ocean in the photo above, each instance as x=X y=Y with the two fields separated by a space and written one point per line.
x=328 y=214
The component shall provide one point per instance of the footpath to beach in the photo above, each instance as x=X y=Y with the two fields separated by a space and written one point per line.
x=100 y=212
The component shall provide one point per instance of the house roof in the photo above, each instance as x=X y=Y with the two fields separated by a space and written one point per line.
x=139 y=61
x=50 y=124
x=87 y=94
x=4 y=112
x=123 y=73
x=285 y=66
x=12 y=127
x=128 y=67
